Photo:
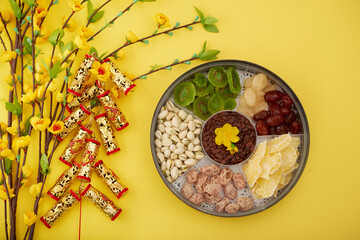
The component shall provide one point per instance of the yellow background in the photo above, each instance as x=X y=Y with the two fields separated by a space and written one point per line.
x=313 y=45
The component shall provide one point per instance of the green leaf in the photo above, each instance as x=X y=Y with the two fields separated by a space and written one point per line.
x=103 y=55
x=209 y=21
x=147 y=0
x=44 y=165
x=62 y=46
x=93 y=103
x=56 y=36
x=15 y=8
x=200 y=13
x=93 y=50
x=8 y=165
x=14 y=108
x=209 y=55
x=90 y=8
x=203 y=48
x=55 y=70
x=211 y=28
x=233 y=145
x=27 y=127
x=97 y=16
x=31 y=3
x=27 y=45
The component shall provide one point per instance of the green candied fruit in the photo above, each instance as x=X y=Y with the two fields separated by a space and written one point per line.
x=190 y=107
x=225 y=93
x=217 y=77
x=201 y=91
x=230 y=104
x=200 y=80
x=184 y=93
x=234 y=80
x=211 y=89
x=215 y=103
x=200 y=108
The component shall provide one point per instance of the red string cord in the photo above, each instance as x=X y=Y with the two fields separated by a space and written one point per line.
x=80 y=218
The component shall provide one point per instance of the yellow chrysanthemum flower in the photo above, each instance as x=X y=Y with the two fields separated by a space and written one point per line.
x=227 y=135
x=29 y=97
x=100 y=71
x=3 y=194
x=35 y=189
x=85 y=32
x=7 y=56
x=7 y=153
x=70 y=25
x=81 y=42
x=131 y=37
x=76 y=5
x=27 y=171
x=56 y=127
x=162 y=20
x=40 y=124
x=21 y=142
x=29 y=218
x=7 y=15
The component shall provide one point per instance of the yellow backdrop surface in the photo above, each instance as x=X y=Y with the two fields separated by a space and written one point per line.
x=313 y=45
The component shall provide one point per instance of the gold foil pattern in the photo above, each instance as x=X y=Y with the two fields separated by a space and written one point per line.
x=110 y=178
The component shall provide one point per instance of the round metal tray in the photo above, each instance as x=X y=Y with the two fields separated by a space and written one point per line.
x=245 y=70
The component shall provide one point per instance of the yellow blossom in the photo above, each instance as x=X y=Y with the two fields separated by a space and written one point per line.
x=100 y=71
x=29 y=218
x=85 y=32
x=129 y=75
x=227 y=135
x=162 y=20
x=52 y=87
x=115 y=92
x=81 y=42
x=3 y=194
x=65 y=54
x=131 y=37
x=3 y=127
x=27 y=171
x=76 y=5
x=40 y=124
x=7 y=15
x=9 y=80
x=120 y=54
x=40 y=92
x=27 y=88
x=1 y=27
x=21 y=142
x=29 y=97
x=56 y=127
x=40 y=79
x=7 y=56
x=43 y=37
x=70 y=25
x=41 y=11
x=12 y=130
x=35 y=189
x=7 y=153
